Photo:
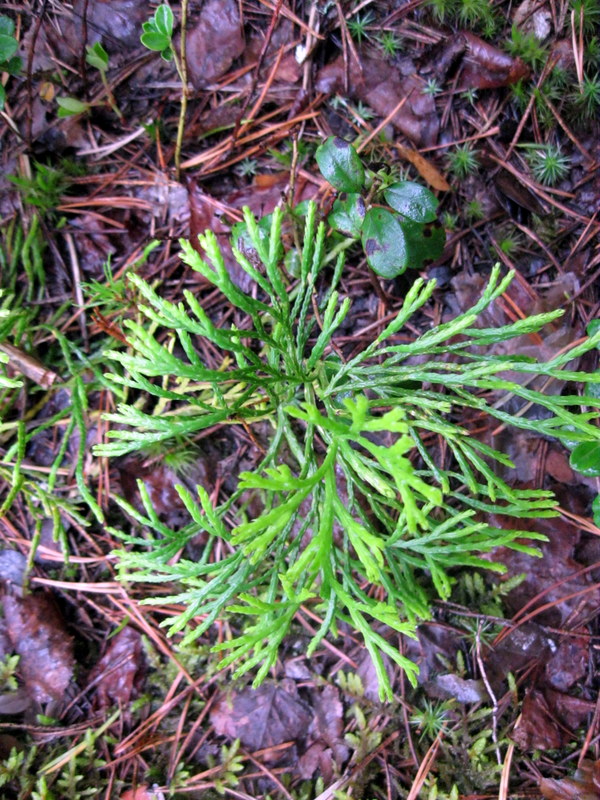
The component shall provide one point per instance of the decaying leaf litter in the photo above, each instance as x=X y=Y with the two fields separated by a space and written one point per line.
x=493 y=108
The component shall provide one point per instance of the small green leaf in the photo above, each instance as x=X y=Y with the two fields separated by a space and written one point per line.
x=340 y=164
x=167 y=54
x=347 y=215
x=154 y=40
x=585 y=459
x=412 y=200
x=163 y=20
x=2 y=96
x=96 y=56
x=424 y=243
x=70 y=106
x=596 y=510
x=8 y=47
x=384 y=242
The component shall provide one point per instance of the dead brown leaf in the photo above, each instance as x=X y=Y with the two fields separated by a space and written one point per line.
x=425 y=168
x=584 y=785
x=213 y=42
x=263 y=717
x=39 y=636
x=142 y=793
x=536 y=728
x=120 y=672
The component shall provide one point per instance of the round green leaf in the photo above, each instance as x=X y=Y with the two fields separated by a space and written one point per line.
x=412 y=200
x=347 y=215
x=596 y=510
x=424 y=242
x=154 y=40
x=585 y=459
x=384 y=242
x=7 y=26
x=163 y=19
x=340 y=164
x=8 y=47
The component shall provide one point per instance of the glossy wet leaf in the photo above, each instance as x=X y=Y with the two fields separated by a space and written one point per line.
x=340 y=164
x=347 y=215
x=7 y=26
x=424 y=243
x=8 y=46
x=585 y=459
x=384 y=242
x=412 y=200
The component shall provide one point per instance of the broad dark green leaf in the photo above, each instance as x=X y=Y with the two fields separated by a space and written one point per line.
x=347 y=215
x=7 y=26
x=424 y=242
x=163 y=19
x=340 y=164
x=154 y=40
x=384 y=242
x=8 y=47
x=412 y=200
x=13 y=66
x=585 y=459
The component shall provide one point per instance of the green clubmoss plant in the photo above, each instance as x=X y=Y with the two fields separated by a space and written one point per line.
x=360 y=517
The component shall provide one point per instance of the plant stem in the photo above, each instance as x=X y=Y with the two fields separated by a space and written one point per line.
x=181 y=66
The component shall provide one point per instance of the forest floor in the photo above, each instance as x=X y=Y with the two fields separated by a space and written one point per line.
x=495 y=107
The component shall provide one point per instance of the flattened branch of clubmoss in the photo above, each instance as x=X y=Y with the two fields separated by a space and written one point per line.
x=407 y=518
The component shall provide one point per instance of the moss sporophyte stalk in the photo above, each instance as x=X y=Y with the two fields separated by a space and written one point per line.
x=359 y=519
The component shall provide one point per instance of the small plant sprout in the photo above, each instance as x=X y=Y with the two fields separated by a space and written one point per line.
x=432 y=87
x=97 y=57
x=158 y=36
x=9 y=62
x=390 y=43
x=527 y=47
x=463 y=161
x=547 y=163
x=247 y=168
x=359 y=25
x=431 y=718
x=587 y=98
x=474 y=210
